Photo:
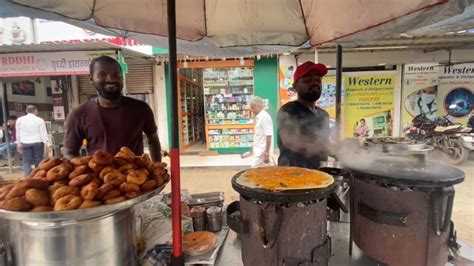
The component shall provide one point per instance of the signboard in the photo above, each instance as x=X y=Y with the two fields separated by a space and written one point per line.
x=420 y=92
x=369 y=104
x=18 y=30
x=48 y=64
x=456 y=89
x=327 y=101
x=48 y=31
x=286 y=69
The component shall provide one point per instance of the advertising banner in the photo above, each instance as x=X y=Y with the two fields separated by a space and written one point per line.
x=327 y=101
x=286 y=69
x=420 y=92
x=456 y=91
x=58 y=100
x=48 y=64
x=369 y=104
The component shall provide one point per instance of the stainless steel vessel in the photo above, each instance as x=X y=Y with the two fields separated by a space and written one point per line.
x=103 y=235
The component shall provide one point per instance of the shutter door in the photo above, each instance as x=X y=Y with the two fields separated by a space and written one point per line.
x=140 y=78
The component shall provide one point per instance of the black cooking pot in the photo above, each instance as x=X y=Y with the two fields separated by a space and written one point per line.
x=233 y=217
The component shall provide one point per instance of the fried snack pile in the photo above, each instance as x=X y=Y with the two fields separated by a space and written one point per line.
x=283 y=178
x=58 y=184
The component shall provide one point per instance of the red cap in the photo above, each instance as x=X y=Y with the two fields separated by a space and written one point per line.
x=306 y=67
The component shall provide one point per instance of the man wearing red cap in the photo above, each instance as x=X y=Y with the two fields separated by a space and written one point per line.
x=303 y=128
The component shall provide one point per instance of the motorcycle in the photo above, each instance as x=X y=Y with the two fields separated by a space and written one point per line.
x=451 y=138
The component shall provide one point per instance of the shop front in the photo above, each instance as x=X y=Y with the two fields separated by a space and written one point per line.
x=214 y=98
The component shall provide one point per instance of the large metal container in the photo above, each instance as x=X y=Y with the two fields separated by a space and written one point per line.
x=402 y=215
x=103 y=235
x=283 y=227
x=105 y=240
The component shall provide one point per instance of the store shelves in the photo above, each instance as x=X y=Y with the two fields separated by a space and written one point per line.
x=227 y=93
x=191 y=107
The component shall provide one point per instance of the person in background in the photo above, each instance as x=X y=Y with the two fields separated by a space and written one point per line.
x=470 y=122
x=262 y=141
x=303 y=128
x=11 y=123
x=110 y=120
x=31 y=137
x=362 y=129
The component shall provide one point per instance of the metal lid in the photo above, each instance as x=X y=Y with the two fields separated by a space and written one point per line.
x=396 y=146
x=198 y=209
x=288 y=196
x=214 y=210
x=401 y=171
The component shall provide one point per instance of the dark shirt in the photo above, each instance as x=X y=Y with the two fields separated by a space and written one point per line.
x=313 y=126
x=109 y=129
x=470 y=123
x=12 y=133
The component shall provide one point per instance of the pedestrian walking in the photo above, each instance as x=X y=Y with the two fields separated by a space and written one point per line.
x=31 y=137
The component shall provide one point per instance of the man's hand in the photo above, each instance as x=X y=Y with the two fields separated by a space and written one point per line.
x=50 y=148
x=266 y=158
x=19 y=149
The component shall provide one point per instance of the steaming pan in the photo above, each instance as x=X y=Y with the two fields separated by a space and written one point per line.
x=399 y=171
x=249 y=183
x=284 y=196
x=79 y=215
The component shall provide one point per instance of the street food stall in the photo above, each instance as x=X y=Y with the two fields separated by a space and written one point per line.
x=78 y=211
x=283 y=26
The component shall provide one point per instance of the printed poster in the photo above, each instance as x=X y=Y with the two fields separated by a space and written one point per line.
x=286 y=69
x=369 y=104
x=327 y=101
x=420 y=92
x=456 y=91
x=58 y=100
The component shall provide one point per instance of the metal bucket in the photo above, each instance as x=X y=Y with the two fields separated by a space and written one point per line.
x=108 y=240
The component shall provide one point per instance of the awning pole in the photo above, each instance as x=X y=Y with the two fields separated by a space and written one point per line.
x=338 y=92
x=5 y=126
x=177 y=258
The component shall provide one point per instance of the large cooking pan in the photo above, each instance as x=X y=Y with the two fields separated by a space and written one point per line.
x=399 y=172
x=80 y=214
x=287 y=196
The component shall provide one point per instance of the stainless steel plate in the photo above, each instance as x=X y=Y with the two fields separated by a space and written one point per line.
x=78 y=215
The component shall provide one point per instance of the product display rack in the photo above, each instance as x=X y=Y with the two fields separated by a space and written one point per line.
x=229 y=123
x=190 y=107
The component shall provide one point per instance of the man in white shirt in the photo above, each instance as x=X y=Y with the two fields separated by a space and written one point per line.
x=31 y=136
x=262 y=141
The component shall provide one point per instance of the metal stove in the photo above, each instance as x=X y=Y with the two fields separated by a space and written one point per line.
x=283 y=228
x=401 y=205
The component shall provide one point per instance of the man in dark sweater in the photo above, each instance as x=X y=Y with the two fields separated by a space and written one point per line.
x=303 y=128
x=110 y=120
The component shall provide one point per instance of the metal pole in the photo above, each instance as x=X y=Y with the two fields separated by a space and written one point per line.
x=177 y=258
x=5 y=126
x=338 y=92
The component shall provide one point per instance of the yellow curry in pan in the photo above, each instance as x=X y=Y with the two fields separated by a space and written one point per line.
x=285 y=178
